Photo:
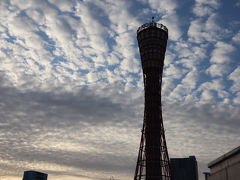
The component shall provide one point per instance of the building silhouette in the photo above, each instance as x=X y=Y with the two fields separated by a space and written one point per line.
x=226 y=167
x=206 y=175
x=153 y=160
x=34 y=175
x=184 y=168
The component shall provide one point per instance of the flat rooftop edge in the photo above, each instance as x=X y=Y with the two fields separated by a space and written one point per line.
x=152 y=24
x=224 y=156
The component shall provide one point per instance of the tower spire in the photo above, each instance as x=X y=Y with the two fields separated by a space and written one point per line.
x=153 y=18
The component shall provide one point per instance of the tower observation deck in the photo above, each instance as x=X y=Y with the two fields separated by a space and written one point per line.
x=153 y=160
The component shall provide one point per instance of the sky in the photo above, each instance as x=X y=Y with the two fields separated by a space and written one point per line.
x=71 y=89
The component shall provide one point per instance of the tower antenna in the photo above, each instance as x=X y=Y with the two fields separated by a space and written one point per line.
x=153 y=18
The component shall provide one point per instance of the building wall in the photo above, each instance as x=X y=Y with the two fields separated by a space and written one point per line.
x=184 y=168
x=229 y=169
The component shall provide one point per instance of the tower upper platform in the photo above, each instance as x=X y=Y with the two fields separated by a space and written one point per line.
x=152 y=42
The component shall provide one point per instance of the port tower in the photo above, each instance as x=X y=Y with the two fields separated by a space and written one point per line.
x=153 y=160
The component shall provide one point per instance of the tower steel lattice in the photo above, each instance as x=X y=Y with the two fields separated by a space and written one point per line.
x=153 y=160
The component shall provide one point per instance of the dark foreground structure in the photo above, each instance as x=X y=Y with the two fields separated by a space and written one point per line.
x=184 y=168
x=226 y=167
x=153 y=160
x=34 y=175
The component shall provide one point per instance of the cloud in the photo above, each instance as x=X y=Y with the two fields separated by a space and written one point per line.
x=168 y=86
x=172 y=23
x=236 y=38
x=167 y=10
x=234 y=76
x=213 y=122
x=64 y=6
x=237 y=99
x=221 y=53
x=205 y=8
x=195 y=31
x=190 y=80
x=181 y=91
x=189 y=55
x=174 y=71
x=40 y=125
x=89 y=130
x=237 y=4
x=202 y=10
x=201 y=30
x=218 y=70
x=220 y=59
x=164 y=7
x=213 y=3
x=207 y=96
x=58 y=47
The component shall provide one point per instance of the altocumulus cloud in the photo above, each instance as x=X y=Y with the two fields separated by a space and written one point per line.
x=71 y=87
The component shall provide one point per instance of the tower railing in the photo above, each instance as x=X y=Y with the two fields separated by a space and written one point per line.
x=152 y=24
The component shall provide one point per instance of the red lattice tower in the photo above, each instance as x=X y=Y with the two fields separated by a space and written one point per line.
x=153 y=160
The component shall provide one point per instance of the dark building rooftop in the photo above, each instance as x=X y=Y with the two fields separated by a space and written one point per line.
x=34 y=175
